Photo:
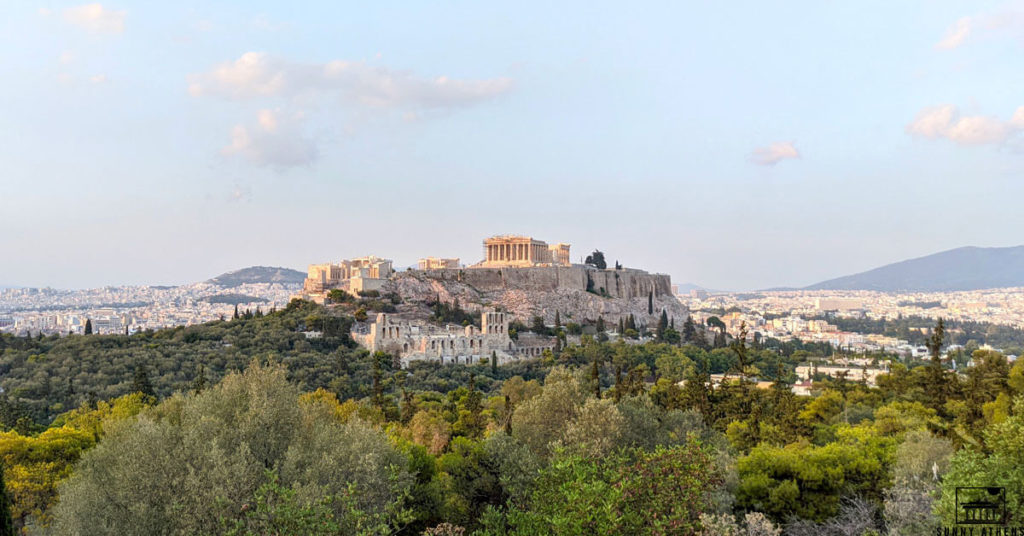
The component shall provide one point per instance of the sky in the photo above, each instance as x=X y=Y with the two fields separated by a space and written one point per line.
x=736 y=145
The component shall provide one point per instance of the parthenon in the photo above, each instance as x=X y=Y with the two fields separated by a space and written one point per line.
x=522 y=251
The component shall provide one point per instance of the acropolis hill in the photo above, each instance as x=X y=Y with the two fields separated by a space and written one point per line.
x=520 y=275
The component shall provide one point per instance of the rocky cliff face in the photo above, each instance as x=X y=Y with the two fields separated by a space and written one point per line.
x=576 y=293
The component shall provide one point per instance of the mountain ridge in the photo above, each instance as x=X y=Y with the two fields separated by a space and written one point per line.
x=258 y=274
x=963 y=268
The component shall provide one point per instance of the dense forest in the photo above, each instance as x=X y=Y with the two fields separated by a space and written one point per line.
x=248 y=427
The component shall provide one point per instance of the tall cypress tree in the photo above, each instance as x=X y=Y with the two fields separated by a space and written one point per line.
x=6 y=523
x=88 y=327
x=508 y=415
x=494 y=362
x=141 y=383
x=200 y=382
x=650 y=302
x=689 y=330
x=662 y=325
x=937 y=382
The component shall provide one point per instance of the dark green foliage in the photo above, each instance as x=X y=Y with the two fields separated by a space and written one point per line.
x=596 y=259
x=233 y=298
x=200 y=382
x=339 y=296
x=6 y=524
x=103 y=367
x=88 y=327
x=452 y=313
x=659 y=492
x=276 y=511
x=141 y=383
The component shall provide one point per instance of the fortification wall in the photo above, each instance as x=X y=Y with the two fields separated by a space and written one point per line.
x=616 y=283
x=545 y=291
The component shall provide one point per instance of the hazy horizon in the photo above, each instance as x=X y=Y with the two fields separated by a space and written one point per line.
x=736 y=147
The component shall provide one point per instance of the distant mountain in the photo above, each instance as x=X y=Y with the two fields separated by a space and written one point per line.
x=966 y=268
x=259 y=274
x=685 y=288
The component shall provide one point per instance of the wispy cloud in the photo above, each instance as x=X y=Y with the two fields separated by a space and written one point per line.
x=965 y=29
x=956 y=35
x=945 y=122
x=256 y=74
x=94 y=18
x=274 y=141
x=774 y=153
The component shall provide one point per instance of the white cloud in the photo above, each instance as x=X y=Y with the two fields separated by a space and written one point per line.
x=274 y=141
x=946 y=122
x=956 y=35
x=96 y=18
x=98 y=78
x=67 y=57
x=774 y=153
x=256 y=74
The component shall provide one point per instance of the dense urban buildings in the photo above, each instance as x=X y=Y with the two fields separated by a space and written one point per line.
x=131 y=308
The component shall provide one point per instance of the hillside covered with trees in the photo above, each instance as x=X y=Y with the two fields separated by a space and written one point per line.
x=247 y=427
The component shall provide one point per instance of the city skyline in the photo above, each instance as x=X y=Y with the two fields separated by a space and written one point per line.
x=736 y=147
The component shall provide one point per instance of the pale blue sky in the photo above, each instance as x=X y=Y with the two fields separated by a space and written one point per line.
x=166 y=143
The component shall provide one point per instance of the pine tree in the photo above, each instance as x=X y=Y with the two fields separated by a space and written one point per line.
x=558 y=321
x=650 y=302
x=236 y=312
x=622 y=326
x=494 y=363
x=88 y=327
x=140 y=383
x=6 y=523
